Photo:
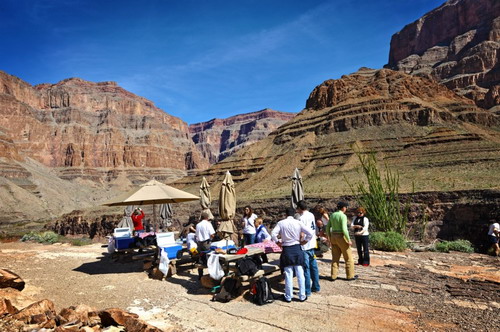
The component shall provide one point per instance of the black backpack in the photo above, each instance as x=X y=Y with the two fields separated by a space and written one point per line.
x=230 y=288
x=262 y=293
x=247 y=266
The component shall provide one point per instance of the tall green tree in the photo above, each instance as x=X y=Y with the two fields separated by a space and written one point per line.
x=380 y=196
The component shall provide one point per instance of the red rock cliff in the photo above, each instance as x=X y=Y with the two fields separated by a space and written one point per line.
x=89 y=129
x=219 y=138
x=458 y=44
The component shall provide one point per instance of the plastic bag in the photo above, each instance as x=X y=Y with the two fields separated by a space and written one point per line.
x=214 y=268
x=111 y=245
x=164 y=262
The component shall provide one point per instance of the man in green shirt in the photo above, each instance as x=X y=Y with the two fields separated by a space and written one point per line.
x=337 y=232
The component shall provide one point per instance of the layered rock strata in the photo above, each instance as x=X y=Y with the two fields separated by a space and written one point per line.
x=434 y=138
x=458 y=44
x=219 y=138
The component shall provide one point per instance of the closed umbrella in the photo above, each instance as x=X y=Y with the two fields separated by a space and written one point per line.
x=206 y=198
x=227 y=208
x=297 y=188
x=126 y=221
x=165 y=215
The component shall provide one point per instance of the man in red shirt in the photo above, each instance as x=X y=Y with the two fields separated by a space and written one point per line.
x=137 y=217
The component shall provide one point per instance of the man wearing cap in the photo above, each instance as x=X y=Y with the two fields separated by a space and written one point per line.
x=204 y=233
x=292 y=257
x=337 y=232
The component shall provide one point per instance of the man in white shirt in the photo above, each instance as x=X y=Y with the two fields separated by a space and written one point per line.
x=311 y=272
x=204 y=233
x=292 y=257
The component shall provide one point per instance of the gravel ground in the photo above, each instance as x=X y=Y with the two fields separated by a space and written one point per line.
x=399 y=291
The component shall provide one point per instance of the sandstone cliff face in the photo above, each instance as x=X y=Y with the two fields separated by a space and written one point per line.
x=458 y=44
x=219 y=138
x=74 y=144
x=433 y=137
x=87 y=129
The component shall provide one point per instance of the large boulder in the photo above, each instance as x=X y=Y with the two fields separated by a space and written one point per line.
x=10 y=279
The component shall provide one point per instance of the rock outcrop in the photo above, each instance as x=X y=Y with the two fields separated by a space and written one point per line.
x=93 y=130
x=458 y=44
x=219 y=138
x=76 y=143
x=436 y=139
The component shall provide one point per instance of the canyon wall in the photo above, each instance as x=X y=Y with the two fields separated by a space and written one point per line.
x=458 y=44
x=219 y=138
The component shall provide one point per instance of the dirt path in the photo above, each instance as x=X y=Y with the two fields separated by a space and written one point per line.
x=404 y=292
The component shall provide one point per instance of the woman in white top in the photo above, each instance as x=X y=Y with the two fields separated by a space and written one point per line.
x=494 y=235
x=247 y=222
x=360 y=227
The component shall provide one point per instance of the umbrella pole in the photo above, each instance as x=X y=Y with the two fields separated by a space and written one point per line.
x=154 y=219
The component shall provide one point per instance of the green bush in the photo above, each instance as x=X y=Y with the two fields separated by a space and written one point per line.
x=41 y=237
x=387 y=241
x=458 y=245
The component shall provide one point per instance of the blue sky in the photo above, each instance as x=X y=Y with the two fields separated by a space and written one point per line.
x=202 y=59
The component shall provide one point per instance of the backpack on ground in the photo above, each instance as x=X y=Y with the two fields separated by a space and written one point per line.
x=230 y=288
x=262 y=293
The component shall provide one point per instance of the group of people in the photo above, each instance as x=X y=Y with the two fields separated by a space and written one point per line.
x=298 y=235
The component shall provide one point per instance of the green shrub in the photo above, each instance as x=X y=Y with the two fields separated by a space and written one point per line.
x=458 y=245
x=80 y=242
x=387 y=241
x=41 y=237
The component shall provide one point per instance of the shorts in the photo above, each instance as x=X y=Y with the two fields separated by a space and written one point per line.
x=493 y=239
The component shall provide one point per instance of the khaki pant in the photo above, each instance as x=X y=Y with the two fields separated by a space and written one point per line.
x=340 y=246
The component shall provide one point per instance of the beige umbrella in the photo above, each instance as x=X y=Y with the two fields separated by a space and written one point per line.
x=206 y=198
x=297 y=188
x=227 y=207
x=152 y=192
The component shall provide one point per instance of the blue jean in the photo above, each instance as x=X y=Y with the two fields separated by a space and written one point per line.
x=249 y=238
x=311 y=272
x=289 y=281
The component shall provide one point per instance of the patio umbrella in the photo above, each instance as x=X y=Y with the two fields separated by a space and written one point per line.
x=227 y=208
x=206 y=198
x=165 y=215
x=297 y=188
x=152 y=192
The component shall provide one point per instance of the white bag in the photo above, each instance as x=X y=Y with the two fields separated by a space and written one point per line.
x=214 y=268
x=164 y=262
x=111 y=245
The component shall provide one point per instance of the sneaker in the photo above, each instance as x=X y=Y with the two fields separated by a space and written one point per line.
x=352 y=279
x=283 y=298
x=366 y=264
x=303 y=300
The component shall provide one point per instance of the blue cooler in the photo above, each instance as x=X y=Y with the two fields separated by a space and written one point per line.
x=166 y=242
x=173 y=251
x=123 y=238
x=124 y=242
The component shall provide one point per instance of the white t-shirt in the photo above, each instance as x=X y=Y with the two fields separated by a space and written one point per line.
x=204 y=230
x=309 y=221
x=290 y=229
x=249 y=225
x=492 y=228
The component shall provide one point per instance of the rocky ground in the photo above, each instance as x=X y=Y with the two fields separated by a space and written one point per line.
x=400 y=291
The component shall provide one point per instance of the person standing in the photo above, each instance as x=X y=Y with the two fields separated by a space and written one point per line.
x=292 y=257
x=204 y=233
x=137 y=217
x=494 y=236
x=248 y=224
x=337 y=232
x=360 y=227
x=311 y=273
